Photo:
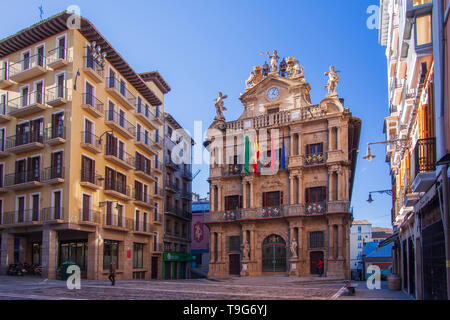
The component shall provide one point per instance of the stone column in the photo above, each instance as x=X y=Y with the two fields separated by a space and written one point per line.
x=300 y=242
x=341 y=241
x=300 y=188
x=95 y=255
x=127 y=263
x=49 y=246
x=212 y=196
x=299 y=144
x=221 y=207
x=292 y=189
x=244 y=198
x=331 y=241
x=251 y=195
x=7 y=253
x=23 y=250
x=253 y=245
x=212 y=247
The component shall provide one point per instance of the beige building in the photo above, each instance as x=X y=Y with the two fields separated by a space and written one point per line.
x=285 y=221
x=81 y=169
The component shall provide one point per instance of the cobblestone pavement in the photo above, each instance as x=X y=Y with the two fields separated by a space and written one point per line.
x=261 y=288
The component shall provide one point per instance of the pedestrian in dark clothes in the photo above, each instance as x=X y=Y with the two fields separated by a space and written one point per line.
x=112 y=273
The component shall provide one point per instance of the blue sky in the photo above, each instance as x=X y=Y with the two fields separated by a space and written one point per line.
x=204 y=46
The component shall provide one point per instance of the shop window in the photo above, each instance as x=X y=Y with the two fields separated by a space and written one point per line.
x=138 y=255
x=110 y=253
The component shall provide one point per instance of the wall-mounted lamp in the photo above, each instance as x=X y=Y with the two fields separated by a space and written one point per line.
x=369 y=156
x=388 y=192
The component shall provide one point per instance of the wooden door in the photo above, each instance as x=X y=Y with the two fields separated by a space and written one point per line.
x=234 y=264
x=155 y=268
x=314 y=258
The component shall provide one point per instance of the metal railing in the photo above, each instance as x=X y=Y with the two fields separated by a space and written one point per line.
x=144 y=109
x=110 y=150
x=171 y=164
x=121 y=87
x=91 y=177
x=425 y=156
x=57 y=92
x=89 y=62
x=113 y=116
x=142 y=196
x=23 y=177
x=158 y=191
x=23 y=139
x=59 y=53
x=24 y=101
x=92 y=101
x=178 y=211
x=140 y=166
x=25 y=64
x=55 y=133
x=53 y=173
x=89 y=215
x=118 y=187
x=54 y=213
x=90 y=138
x=158 y=165
x=145 y=139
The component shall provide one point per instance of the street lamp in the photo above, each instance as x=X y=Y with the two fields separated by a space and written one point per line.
x=388 y=192
x=101 y=136
x=369 y=156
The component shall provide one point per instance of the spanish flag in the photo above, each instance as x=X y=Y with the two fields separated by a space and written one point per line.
x=255 y=155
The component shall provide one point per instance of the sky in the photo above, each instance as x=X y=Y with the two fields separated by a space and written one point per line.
x=202 y=47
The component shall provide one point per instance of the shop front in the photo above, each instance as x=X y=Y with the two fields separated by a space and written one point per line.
x=176 y=265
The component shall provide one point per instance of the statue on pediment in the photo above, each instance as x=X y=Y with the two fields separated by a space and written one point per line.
x=220 y=106
x=256 y=77
x=273 y=60
x=333 y=80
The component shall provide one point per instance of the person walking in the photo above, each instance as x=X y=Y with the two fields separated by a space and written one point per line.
x=320 y=267
x=112 y=273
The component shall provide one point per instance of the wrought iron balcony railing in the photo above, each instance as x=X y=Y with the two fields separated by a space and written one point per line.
x=92 y=101
x=57 y=54
x=55 y=93
x=37 y=60
x=115 y=117
x=118 y=187
x=425 y=156
x=120 y=154
x=26 y=100
x=23 y=177
x=91 y=139
x=55 y=132
x=24 y=139
x=89 y=215
x=91 y=63
x=53 y=173
x=114 y=83
x=91 y=177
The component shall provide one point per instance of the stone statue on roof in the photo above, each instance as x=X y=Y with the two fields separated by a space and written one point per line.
x=220 y=107
x=333 y=80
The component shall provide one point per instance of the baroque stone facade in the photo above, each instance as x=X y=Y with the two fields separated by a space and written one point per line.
x=276 y=220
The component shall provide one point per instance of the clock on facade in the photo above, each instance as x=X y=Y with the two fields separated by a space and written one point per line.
x=273 y=93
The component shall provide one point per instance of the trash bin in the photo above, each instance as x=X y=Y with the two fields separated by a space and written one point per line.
x=66 y=264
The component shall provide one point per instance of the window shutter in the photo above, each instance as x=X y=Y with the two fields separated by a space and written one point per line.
x=281 y=198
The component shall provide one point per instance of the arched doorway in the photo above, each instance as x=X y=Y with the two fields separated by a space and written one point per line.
x=274 y=254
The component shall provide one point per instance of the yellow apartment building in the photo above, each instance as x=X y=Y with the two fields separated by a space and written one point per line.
x=81 y=154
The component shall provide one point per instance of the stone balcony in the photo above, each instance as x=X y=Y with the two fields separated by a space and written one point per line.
x=298 y=210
